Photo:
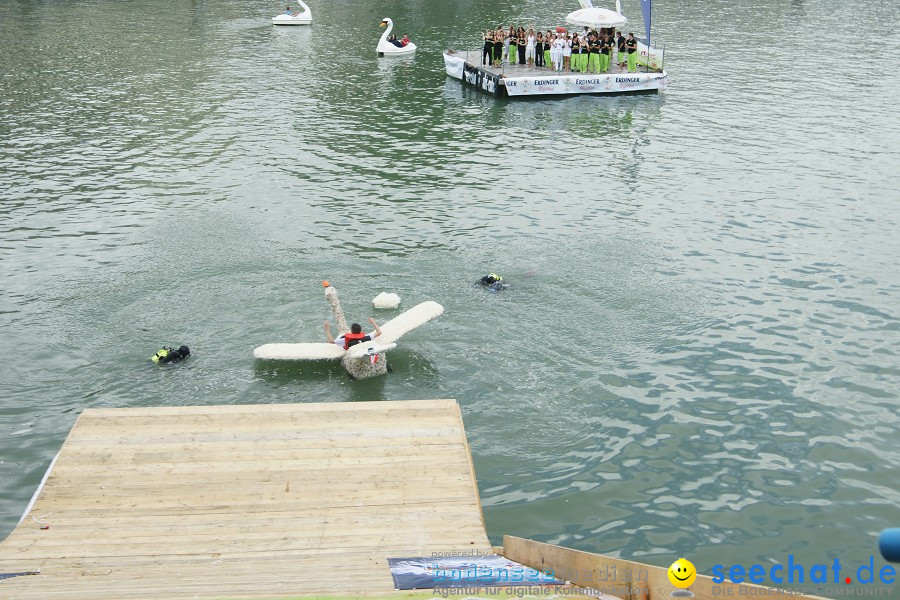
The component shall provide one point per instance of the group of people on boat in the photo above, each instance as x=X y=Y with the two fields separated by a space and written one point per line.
x=588 y=51
x=401 y=43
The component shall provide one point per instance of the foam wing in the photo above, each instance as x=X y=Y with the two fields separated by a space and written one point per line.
x=369 y=348
x=406 y=322
x=319 y=351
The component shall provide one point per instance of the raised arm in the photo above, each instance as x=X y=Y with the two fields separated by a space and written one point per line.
x=375 y=325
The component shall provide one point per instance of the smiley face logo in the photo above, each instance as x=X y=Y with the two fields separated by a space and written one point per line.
x=682 y=573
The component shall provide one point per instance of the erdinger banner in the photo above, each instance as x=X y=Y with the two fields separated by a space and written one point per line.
x=585 y=84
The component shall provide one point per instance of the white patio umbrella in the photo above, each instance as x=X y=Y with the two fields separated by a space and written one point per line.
x=594 y=16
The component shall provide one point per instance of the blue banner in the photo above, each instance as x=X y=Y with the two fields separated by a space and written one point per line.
x=645 y=8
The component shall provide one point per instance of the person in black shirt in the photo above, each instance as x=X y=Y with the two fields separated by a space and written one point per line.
x=539 y=50
x=594 y=57
x=576 y=49
x=604 y=54
x=585 y=53
x=631 y=49
x=522 y=42
x=488 y=37
x=620 y=43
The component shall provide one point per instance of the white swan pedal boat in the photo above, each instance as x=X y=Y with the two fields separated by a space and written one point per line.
x=303 y=18
x=385 y=48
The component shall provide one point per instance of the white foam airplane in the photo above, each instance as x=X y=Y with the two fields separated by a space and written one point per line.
x=365 y=359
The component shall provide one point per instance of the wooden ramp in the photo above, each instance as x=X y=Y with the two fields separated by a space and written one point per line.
x=251 y=501
x=631 y=580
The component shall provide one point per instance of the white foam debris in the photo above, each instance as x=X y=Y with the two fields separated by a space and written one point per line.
x=386 y=300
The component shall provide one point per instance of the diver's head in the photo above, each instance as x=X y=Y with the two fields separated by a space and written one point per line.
x=491 y=278
x=184 y=351
x=356 y=328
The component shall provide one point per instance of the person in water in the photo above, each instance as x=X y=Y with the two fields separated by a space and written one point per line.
x=354 y=337
x=493 y=282
x=168 y=355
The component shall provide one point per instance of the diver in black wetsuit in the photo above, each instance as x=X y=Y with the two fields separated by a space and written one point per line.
x=169 y=355
x=492 y=282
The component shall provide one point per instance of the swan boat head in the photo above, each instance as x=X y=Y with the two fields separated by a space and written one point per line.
x=387 y=48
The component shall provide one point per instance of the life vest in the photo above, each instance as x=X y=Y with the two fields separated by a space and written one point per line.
x=351 y=339
x=162 y=355
x=167 y=355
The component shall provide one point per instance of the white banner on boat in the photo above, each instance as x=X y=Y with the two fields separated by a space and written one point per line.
x=585 y=84
x=454 y=65
x=656 y=56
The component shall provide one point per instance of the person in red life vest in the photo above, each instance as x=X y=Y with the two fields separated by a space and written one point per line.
x=354 y=337
x=404 y=41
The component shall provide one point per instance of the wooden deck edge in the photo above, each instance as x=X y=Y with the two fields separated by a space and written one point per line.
x=465 y=440
x=628 y=579
x=377 y=405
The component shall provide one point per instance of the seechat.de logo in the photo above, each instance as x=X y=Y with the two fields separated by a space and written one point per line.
x=795 y=572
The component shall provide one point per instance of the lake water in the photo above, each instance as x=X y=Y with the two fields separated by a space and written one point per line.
x=698 y=355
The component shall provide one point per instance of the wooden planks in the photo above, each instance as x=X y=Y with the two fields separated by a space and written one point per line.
x=627 y=579
x=247 y=501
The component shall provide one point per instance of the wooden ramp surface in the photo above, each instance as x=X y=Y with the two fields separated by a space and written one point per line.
x=254 y=501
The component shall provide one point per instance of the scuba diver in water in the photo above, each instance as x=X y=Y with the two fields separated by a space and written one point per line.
x=170 y=355
x=493 y=282
x=354 y=337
